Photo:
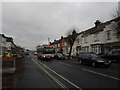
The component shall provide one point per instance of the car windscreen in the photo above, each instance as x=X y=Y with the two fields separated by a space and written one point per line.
x=60 y=55
x=116 y=52
x=48 y=51
x=94 y=56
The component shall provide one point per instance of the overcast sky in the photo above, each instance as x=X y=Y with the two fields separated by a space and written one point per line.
x=32 y=23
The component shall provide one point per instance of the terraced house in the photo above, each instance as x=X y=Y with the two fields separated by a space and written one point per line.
x=101 y=38
x=7 y=43
x=61 y=45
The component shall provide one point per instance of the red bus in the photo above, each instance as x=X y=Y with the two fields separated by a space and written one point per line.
x=45 y=52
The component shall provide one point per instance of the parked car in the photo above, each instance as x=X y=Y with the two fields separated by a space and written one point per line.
x=35 y=53
x=66 y=56
x=113 y=55
x=59 y=56
x=16 y=55
x=93 y=59
x=26 y=53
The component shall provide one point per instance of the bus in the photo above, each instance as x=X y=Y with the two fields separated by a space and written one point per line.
x=45 y=52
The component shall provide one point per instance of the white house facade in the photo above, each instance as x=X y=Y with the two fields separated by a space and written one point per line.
x=99 y=39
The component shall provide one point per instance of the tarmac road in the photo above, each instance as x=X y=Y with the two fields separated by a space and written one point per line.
x=66 y=74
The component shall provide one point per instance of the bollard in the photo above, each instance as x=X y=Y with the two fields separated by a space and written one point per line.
x=18 y=62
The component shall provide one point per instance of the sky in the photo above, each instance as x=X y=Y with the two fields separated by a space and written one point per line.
x=32 y=23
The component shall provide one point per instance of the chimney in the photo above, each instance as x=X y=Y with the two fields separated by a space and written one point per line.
x=97 y=23
x=61 y=37
x=55 y=40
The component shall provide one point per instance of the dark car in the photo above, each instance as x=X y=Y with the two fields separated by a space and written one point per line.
x=26 y=53
x=16 y=55
x=35 y=53
x=93 y=59
x=59 y=56
x=66 y=56
x=113 y=55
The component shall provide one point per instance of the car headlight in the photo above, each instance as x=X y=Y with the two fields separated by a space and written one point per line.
x=100 y=61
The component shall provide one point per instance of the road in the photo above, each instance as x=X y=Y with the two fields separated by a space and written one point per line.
x=66 y=74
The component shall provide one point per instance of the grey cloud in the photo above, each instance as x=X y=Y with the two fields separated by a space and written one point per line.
x=32 y=23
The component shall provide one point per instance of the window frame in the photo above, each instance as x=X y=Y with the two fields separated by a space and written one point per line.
x=96 y=37
x=108 y=33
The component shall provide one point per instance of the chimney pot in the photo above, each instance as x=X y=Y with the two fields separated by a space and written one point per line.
x=97 y=23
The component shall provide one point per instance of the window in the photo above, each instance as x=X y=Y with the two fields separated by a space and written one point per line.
x=96 y=37
x=96 y=49
x=55 y=45
x=85 y=49
x=65 y=44
x=85 y=39
x=58 y=45
x=80 y=40
x=109 y=35
x=117 y=34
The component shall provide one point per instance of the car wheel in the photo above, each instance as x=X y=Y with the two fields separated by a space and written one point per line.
x=93 y=64
x=106 y=66
x=117 y=61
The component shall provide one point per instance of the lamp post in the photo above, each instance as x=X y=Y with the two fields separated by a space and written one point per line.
x=48 y=41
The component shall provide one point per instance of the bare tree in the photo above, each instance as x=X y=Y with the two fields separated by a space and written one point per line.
x=116 y=11
x=116 y=15
x=71 y=40
x=118 y=28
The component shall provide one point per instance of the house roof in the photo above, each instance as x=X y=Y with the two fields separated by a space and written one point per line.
x=91 y=30
x=100 y=27
x=10 y=38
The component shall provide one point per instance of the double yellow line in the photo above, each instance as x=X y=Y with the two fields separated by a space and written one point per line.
x=51 y=76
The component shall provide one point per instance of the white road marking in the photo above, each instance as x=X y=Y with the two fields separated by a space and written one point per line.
x=101 y=74
x=65 y=64
x=51 y=76
x=61 y=76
